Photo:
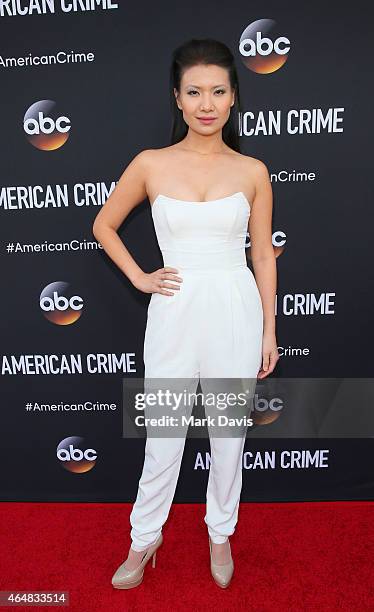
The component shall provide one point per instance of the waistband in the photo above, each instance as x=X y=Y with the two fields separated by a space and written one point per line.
x=229 y=259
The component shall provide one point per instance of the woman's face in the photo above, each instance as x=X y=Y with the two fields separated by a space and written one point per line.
x=205 y=92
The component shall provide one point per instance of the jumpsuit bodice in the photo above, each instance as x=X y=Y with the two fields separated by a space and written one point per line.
x=202 y=235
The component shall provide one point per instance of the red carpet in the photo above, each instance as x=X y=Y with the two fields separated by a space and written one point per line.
x=288 y=557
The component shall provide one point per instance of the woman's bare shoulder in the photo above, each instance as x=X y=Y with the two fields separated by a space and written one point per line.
x=253 y=163
x=152 y=156
x=146 y=155
x=258 y=169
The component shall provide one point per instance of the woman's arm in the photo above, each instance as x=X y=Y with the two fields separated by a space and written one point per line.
x=129 y=192
x=264 y=261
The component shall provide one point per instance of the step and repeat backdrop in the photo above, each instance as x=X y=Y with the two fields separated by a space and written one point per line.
x=85 y=87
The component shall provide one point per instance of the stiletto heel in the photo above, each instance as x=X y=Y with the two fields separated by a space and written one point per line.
x=222 y=574
x=127 y=579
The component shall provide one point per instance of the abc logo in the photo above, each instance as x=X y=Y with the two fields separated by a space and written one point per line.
x=45 y=128
x=59 y=304
x=261 y=48
x=266 y=411
x=75 y=456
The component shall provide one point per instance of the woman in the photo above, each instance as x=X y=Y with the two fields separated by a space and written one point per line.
x=207 y=316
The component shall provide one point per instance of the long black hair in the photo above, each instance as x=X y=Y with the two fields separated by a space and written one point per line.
x=203 y=51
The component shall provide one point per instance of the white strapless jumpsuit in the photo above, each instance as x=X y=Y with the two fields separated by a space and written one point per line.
x=211 y=327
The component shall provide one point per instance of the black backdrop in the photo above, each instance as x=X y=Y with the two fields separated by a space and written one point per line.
x=116 y=103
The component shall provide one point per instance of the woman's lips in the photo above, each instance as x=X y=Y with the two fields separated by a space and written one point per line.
x=206 y=119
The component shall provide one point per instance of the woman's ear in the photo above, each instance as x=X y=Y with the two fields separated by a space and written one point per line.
x=176 y=97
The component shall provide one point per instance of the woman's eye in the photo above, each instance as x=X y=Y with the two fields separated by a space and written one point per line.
x=220 y=91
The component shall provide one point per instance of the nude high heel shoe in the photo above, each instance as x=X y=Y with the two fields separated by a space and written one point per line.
x=127 y=579
x=222 y=574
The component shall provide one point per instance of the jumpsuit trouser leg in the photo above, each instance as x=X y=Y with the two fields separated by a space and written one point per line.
x=157 y=484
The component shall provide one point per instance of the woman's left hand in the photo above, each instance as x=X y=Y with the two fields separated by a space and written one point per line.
x=270 y=354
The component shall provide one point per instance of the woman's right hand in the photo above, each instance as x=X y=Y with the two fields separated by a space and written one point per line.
x=157 y=281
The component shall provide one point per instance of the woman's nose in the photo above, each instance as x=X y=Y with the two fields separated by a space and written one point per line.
x=207 y=103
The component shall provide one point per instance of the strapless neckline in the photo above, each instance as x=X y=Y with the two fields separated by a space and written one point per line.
x=203 y=202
